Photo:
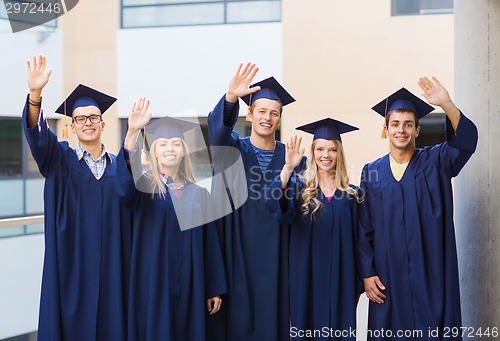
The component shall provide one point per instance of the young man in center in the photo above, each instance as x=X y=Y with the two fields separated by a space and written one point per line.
x=255 y=246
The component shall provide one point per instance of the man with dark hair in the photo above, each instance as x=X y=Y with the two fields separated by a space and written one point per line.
x=407 y=247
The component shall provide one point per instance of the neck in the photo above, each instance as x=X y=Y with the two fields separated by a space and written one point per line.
x=326 y=178
x=326 y=181
x=172 y=172
x=402 y=155
x=263 y=142
x=94 y=148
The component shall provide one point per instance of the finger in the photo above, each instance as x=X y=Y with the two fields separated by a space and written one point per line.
x=253 y=72
x=302 y=151
x=299 y=142
x=238 y=69
x=29 y=64
x=146 y=106
x=43 y=62
x=436 y=81
x=217 y=305
x=134 y=105
x=209 y=305
x=244 y=70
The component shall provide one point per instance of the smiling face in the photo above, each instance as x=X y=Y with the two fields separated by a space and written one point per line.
x=265 y=117
x=88 y=132
x=402 y=130
x=169 y=153
x=325 y=155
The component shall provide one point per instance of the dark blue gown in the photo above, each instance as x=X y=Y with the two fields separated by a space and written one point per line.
x=324 y=280
x=173 y=273
x=407 y=237
x=88 y=239
x=255 y=247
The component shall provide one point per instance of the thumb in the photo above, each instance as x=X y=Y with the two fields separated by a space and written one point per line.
x=379 y=283
x=254 y=89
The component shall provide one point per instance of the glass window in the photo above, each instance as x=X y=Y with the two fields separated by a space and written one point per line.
x=11 y=154
x=175 y=15
x=432 y=130
x=154 y=13
x=253 y=11
x=421 y=7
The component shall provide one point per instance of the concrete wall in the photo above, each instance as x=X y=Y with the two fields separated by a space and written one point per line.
x=477 y=212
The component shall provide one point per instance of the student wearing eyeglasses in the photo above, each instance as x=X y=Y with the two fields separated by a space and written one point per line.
x=87 y=231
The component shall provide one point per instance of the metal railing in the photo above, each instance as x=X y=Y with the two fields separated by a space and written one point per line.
x=18 y=221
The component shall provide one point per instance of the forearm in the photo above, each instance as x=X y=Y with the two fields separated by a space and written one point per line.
x=35 y=97
x=452 y=113
x=131 y=139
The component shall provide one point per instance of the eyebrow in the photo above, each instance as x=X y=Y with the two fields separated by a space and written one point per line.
x=403 y=121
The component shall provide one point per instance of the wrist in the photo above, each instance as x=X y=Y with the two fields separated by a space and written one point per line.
x=231 y=97
x=35 y=95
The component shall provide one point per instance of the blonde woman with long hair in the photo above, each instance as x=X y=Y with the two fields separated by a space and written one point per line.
x=177 y=271
x=321 y=206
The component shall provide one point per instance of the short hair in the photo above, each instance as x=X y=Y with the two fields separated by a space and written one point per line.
x=401 y=110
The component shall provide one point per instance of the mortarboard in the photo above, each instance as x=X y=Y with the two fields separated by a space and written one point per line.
x=83 y=96
x=327 y=128
x=403 y=99
x=169 y=127
x=269 y=88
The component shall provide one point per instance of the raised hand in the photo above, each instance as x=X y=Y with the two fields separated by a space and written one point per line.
x=240 y=83
x=294 y=153
x=434 y=92
x=293 y=157
x=139 y=116
x=38 y=75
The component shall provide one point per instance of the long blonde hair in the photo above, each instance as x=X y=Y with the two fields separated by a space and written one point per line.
x=309 y=194
x=185 y=170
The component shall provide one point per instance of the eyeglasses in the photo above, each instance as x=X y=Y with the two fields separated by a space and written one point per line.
x=82 y=119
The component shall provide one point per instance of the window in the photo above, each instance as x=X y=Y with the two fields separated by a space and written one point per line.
x=155 y=13
x=19 y=175
x=421 y=7
x=432 y=130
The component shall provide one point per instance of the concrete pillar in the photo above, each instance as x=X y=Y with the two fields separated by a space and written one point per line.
x=477 y=209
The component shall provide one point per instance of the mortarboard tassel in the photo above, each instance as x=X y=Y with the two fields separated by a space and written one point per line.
x=65 y=129
x=383 y=135
x=248 y=109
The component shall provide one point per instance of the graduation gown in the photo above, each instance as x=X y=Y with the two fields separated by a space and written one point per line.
x=407 y=238
x=324 y=280
x=255 y=247
x=173 y=272
x=87 y=244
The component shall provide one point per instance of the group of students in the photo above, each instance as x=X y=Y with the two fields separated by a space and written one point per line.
x=289 y=263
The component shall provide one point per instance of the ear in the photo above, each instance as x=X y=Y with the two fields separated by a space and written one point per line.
x=249 y=116
x=103 y=124
x=418 y=131
x=72 y=127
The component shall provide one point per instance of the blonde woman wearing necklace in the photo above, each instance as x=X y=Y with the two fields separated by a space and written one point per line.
x=177 y=271
x=321 y=206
